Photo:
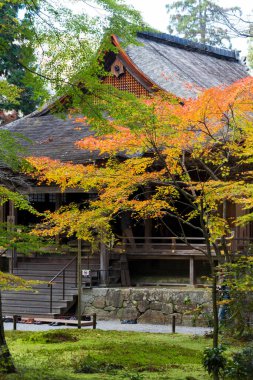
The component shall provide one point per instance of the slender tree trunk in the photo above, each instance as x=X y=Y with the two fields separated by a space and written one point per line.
x=215 y=316
x=6 y=362
x=215 y=312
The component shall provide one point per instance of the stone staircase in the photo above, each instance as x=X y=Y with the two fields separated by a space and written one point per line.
x=36 y=303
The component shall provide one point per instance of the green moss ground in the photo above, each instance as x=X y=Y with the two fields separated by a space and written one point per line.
x=62 y=354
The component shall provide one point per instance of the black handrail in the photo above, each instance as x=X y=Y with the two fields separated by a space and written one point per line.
x=3 y=252
x=50 y=283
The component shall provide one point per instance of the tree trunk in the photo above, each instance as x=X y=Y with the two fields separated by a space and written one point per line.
x=6 y=362
x=215 y=317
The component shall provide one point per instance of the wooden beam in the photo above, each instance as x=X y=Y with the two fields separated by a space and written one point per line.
x=191 y=271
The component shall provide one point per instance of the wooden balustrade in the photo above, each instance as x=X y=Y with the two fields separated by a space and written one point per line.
x=158 y=245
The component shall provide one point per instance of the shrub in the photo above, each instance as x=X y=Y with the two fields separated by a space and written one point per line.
x=214 y=360
x=242 y=365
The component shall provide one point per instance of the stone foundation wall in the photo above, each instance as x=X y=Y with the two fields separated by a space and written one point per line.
x=149 y=305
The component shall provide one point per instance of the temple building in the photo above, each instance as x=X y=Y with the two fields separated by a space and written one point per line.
x=145 y=255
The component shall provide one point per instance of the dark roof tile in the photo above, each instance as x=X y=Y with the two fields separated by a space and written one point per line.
x=182 y=69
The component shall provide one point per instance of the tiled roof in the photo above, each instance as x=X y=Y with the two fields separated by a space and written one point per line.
x=53 y=137
x=173 y=64
x=183 y=67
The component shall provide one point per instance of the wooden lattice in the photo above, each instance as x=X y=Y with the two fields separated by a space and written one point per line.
x=126 y=82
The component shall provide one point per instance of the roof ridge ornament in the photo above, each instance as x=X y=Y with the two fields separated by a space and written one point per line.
x=117 y=68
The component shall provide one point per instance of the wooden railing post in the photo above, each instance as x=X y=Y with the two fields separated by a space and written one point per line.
x=173 y=324
x=63 y=285
x=15 y=320
x=173 y=244
x=51 y=298
x=94 y=321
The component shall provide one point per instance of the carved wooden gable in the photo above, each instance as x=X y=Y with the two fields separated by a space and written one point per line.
x=122 y=79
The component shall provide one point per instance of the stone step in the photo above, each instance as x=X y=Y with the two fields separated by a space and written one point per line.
x=36 y=296
x=43 y=291
x=28 y=310
x=57 y=287
x=43 y=273
x=46 y=278
x=35 y=303
x=63 y=259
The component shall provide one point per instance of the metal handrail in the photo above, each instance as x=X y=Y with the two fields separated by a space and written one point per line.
x=50 y=283
x=3 y=252
x=63 y=269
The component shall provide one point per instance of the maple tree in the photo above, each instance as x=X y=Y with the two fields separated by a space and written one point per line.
x=162 y=153
x=54 y=32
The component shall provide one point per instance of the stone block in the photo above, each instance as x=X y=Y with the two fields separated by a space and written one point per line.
x=156 y=306
x=114 y=298
x=87 y=298
x=99 y=302
x=143 y=306
x=167 y=308
x=109 y=308
x=137 y=295
x=153 y=316
x=128 y=313
x=99 y=292
x=89 y=310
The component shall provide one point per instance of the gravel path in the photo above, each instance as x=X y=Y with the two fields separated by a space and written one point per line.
x=115 y=325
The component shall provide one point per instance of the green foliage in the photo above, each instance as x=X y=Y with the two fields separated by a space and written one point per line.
x=9 y=281
x=146 y=356
x=10 y=179
x=237 y=276
x=19 y=201
x=21 y=239
x=241 y=365
x=11 y=151
x=250 y=54
x=88 y=364
x=67 y=46
x=14 y=51
x=214 y=360
x=70 y=43
x=200 y=21
x=9 y=93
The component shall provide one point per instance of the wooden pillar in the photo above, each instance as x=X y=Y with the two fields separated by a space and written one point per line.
x=11 y=219
x=1 y=212
x=191 y=271
x=242 y=233
x=104 y=265
x=127 y=231
x=148 y=233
